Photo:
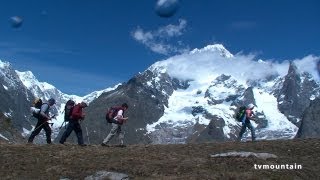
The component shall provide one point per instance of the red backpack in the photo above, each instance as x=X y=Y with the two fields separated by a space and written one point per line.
x=112 y=113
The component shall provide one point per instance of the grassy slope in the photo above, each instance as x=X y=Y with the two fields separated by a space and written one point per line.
x=189 y=161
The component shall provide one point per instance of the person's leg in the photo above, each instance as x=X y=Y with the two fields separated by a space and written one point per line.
x=253 y=135
x=243 y=129
x=121 y=136
x=36 y=131
x=78 y=130
x=47 y=128
x=67 y=133
x=113 y=131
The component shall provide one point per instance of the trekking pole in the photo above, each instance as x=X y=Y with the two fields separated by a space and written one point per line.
x=64 y=122
x=87 y=135
x=45 y=122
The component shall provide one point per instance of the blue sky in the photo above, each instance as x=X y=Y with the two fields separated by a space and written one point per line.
x=102 y=43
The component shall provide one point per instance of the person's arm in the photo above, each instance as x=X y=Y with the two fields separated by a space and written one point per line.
x=120 y=117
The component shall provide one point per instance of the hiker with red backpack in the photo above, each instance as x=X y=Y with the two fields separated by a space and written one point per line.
x=115 y=115
x=249 y=115
x=77 y=115
x=43 y=117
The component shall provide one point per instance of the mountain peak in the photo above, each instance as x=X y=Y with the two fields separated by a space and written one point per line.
x=214 y=48
x=4 y=64
x=26 y=74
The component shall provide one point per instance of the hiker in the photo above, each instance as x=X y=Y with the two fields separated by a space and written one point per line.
x=43 y=118
x=67 y=112
x=74 y=124
x=246 y=122
x=117 y=121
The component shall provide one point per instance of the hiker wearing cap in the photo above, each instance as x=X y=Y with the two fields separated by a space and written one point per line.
x=42 y=123
x=117 y=119
x=249 y=115
x=77 y=115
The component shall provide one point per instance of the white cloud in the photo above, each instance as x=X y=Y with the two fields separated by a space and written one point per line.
x=141 y=36
x=308 y=64
x=173 y=30
x=159 y=40
x=204 y=66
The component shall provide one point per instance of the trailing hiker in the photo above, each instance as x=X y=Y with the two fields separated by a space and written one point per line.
x=42 y=114
x=248 y=115
x=77 y=115
x=115 y=115
x=67 y=111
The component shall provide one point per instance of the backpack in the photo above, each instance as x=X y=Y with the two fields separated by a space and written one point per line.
x=112 y=113
x=36 y=107
x=68 y=110
x=241 y=113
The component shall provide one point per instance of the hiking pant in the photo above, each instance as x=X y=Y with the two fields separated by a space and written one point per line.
x=116 y=129
x=243 y=129
x=72 y=125
x=41 y=125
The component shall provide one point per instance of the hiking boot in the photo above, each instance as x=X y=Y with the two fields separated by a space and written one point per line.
x=104 y=144
x=83 y=145
x=121 y=145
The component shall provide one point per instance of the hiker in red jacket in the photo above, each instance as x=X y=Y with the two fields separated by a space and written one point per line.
x=74 y=124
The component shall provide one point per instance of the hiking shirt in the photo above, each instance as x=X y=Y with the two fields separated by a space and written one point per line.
x=249 y=114
x=119 y=115
x=77 y=112
x=44 y=110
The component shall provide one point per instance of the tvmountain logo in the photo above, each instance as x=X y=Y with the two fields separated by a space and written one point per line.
x=294 y=166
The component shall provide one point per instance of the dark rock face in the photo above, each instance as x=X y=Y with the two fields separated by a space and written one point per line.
x=146 y=94
x=310 y=124
x=294 y=96
x=8 y=131
x=15 y=99
x=212 y=132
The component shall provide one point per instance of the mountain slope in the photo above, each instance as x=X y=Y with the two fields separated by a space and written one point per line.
x=14 y=100
x=46 y=91
x=19 y=90
x=193 y=97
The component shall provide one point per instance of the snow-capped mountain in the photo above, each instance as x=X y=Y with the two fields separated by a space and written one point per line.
x=14 y=98
x=218 y=82
x=27 y=84
x=46 y=91
x=193 y=97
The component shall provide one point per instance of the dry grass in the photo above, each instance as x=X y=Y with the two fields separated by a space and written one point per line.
x=189 y=161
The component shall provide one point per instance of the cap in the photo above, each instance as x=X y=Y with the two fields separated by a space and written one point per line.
x=52 y=101
x=250 y=106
